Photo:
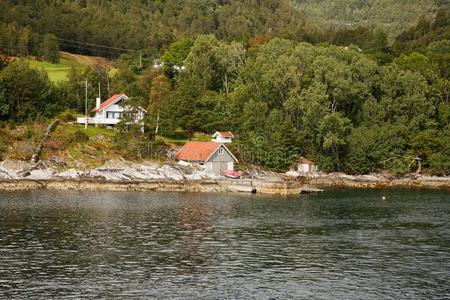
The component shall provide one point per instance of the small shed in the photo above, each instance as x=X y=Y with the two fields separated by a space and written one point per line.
x=223 y=137
x=306 y=166
x=214 y=156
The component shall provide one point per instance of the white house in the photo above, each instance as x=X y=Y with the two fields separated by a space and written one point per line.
x=214 y=156
x=158 y=64
x=306 y=166
x=110 y=112
x=225 y=137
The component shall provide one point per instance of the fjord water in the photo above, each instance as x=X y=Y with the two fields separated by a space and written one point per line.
x=340 y=244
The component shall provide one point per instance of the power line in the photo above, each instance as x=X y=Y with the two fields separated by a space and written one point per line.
x=96 y=45
x=105 y=51
x=78 y=43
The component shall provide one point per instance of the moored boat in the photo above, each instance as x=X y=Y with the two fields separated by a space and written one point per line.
x=232 y=174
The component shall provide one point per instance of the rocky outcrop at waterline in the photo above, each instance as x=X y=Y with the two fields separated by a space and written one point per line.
x=341 y=180
x=121 y=175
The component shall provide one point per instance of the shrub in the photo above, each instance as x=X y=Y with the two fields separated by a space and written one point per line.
x=54 y=145
x=28 y=134
x=67 y=116
x=77 y=136
x=3 y=149
x=12 y=125
x=178 y=134
x=80 y=136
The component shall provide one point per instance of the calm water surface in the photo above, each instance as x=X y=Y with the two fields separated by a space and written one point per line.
x=343 y=244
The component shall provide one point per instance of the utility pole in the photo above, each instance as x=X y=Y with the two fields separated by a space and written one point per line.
x=140 y=59
x=107 y=83
x=99 y=91
x=86 y=105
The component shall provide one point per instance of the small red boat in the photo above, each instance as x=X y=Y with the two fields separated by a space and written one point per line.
x=233 y=174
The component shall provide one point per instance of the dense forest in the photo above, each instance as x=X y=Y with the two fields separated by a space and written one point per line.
x=349 y=100
x=392 y=17
x=137 y=24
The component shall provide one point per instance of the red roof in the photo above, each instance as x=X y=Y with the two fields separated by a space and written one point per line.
x=303 y=160
x=197 y=151
x=108 y=102
x=226 y=134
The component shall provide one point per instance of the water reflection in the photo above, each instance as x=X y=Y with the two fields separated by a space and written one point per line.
x=195 y=225
x=341 y=244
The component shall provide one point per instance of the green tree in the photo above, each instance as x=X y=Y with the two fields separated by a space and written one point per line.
x=159 y=98
x=439 y=53
x=26 y=93
x=332 y=138
x=176 y=54
x=50 y=48
x=201 y=63
x=24 y=41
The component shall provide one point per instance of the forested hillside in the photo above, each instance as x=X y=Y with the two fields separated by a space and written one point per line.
x=136 y=24
x=375 y=106
x=391 y=16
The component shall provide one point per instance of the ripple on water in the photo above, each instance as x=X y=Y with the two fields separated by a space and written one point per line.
x=341 y=244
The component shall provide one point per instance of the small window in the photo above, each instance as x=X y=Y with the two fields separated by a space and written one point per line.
x=113 y=115
x=220 y=150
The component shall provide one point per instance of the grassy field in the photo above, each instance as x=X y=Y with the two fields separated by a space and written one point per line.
x=58 y=72
x=93 y=131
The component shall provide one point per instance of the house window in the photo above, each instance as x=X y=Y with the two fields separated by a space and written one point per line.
x=220 y=150
x=113 y=115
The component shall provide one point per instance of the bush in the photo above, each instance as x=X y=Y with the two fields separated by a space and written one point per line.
x=67 y=116
x=77 y=136
x=178 y=134
x=28 y=134
x=80 y=136
x=135 y=144
x=12 y=125
x=54 y=145
x=3 y=149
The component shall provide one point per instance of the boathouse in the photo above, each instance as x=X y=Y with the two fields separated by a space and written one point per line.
x=306 y=166
x=214 y=156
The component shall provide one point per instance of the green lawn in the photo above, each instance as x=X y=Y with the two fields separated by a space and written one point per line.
x=181 y=142
x=93 y=131
x=173 y=141
x=56 y=72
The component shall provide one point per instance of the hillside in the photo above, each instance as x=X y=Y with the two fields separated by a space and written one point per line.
x=139 y=24
x=58 y=72
x=391 y=16
x=349 y=100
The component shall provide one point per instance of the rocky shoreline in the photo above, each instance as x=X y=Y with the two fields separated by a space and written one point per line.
x=341 y=180
x=120 y=175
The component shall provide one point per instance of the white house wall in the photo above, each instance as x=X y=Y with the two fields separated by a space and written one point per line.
x=219 y=139
x=114 y=108
x=306 y=168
